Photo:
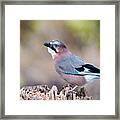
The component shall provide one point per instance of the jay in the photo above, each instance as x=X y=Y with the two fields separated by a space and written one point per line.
x=70 y=67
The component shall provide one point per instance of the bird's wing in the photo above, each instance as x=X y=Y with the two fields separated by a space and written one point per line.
x=76 y=61
x=86 y=69
x=68 y=64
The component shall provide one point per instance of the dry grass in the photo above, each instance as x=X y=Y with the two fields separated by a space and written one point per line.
x=43 y=92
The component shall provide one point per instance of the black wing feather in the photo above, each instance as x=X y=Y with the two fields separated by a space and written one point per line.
x=91 y=68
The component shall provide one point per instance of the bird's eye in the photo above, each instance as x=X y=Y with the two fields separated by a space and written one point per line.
x=56 y=45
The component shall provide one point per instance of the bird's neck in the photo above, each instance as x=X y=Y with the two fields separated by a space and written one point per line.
x=60 y=56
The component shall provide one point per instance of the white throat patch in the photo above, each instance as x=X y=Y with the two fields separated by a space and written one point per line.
x=52 y=52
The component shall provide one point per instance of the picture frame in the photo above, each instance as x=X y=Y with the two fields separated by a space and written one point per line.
x=80 y=2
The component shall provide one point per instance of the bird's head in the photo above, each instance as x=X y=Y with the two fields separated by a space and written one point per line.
x=55 y=47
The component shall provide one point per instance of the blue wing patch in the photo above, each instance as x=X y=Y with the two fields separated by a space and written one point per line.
x=72 y=73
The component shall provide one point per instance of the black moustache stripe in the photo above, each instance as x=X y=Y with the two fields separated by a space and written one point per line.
x=53 y=49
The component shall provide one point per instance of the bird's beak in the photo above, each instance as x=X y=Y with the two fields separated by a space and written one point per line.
x=47 y=44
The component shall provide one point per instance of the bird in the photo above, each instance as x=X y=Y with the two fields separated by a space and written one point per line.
x=70 y=67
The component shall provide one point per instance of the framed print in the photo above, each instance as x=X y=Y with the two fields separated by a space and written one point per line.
x=59 y=59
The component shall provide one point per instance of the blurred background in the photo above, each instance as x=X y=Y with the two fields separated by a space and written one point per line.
x=82 y=38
